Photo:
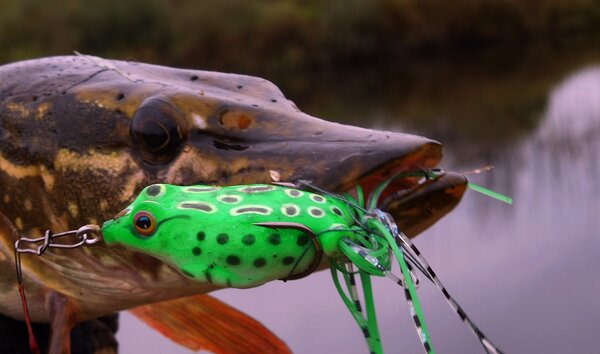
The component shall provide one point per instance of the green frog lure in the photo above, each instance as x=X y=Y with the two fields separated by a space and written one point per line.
x=245 y=236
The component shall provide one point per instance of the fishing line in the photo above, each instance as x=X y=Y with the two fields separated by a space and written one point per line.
x=33 y=345
x=85 y=236
x=478 y=170
x=351 y=202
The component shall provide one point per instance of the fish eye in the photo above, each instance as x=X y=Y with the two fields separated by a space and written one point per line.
x=155 y=131
x=144 y=223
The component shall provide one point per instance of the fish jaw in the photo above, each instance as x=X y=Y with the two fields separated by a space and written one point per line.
x=419 y=206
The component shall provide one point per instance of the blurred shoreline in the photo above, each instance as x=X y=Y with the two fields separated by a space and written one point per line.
x=268 y=37
x=476 y=71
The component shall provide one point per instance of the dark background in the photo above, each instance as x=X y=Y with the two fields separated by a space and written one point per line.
x=511 y=83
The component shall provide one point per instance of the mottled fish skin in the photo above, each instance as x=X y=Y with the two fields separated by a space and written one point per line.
x=80 y=136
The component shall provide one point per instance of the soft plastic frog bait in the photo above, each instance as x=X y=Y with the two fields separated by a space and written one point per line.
x=244 y=236
x=239 y=236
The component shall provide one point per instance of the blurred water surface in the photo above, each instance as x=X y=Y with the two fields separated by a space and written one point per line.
x=526 y=273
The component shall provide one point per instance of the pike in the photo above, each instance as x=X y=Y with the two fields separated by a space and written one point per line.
x=81 y=136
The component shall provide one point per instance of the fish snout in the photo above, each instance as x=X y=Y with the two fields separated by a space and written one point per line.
x=301 y=147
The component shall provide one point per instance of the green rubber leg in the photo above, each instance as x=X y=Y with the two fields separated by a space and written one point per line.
x=365 y=279
x=374 y=345
x=359 y=196
x=410 y=291
x=490 y=193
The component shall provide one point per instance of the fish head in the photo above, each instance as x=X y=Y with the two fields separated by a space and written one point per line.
x=80 y=137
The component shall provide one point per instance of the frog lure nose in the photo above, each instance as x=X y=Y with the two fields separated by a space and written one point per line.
x=244 y=236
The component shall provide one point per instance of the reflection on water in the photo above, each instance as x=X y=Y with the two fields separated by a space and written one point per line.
x=531 y=267
x=525 y=273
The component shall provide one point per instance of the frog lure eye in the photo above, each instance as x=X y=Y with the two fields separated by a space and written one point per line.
x=244 y=236
x=144 y=223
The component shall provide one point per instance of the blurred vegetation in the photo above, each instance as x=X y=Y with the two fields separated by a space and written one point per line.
x=279 y=35
x=464 y=69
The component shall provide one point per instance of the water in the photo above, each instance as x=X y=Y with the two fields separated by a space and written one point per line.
x=525 y=273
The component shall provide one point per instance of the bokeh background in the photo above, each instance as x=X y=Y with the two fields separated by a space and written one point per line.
x=512 y=83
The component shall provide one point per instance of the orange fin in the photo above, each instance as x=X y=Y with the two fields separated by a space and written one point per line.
x=202 y=322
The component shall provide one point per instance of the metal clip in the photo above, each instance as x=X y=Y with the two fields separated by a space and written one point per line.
x=85 y=236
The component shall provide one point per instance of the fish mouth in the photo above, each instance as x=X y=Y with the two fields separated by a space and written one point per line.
x=419 y=194
x=416 y=199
